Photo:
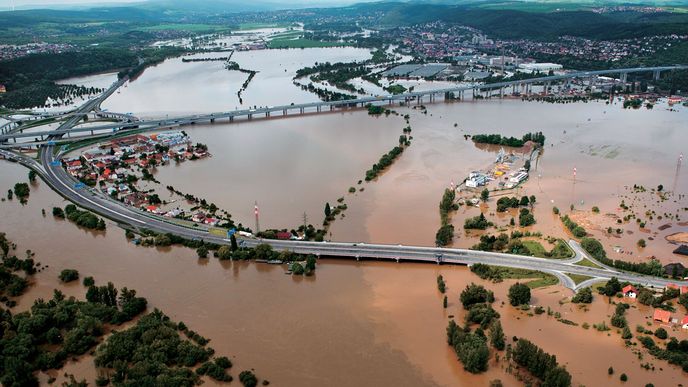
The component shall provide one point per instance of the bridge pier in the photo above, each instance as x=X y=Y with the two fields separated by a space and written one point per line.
x=623 y=77
x=301 y=110
x=656 y=75
x=231 y=118
x=331 y=107
x=501 y=92
x=317 y=108
x=284 y=112
x=212 y=120
x=250 y=116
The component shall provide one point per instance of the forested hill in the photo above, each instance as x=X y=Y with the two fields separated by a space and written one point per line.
x=513 y=24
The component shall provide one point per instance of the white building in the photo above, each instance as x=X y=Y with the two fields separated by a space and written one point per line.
x=541 y=67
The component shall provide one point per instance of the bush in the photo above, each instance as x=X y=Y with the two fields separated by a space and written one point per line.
x=202 y=252
x=519 y=294
x=475 y=294
x=661 y=333
x=58 y=212
x=583 y=296
x=69 y=275
x=248 y=379
x=89 y=281
x=476 y=223
x=623 y=377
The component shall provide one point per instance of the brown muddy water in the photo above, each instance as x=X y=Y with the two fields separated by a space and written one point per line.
x=174 y=87
x=295 y=165
x=352 y=324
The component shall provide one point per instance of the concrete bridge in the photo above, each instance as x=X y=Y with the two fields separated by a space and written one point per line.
x=81 y=133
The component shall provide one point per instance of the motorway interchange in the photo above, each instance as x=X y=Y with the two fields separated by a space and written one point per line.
x=49 y=167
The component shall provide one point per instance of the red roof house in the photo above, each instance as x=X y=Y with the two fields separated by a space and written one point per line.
x=284 y=235
x=684 y=289
x=629 y=291
x=684 y=323
x=662 y=315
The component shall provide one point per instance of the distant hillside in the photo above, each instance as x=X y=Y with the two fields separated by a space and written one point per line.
x=513 y=24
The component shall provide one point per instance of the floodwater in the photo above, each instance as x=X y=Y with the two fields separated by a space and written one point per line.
x=175 y=88
x=295 y=165
x=368 y=323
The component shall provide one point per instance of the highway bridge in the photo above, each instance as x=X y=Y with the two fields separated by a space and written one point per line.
x=92 y=199
x=95 y=131
x=49 y=167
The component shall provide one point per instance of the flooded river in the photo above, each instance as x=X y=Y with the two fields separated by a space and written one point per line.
x=175 y=87
x=302 y=163
x=351 y=324
x=369 y=323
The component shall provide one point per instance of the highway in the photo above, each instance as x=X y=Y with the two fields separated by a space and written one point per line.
x=49 y=167
x=56 y=176
x=143 y=125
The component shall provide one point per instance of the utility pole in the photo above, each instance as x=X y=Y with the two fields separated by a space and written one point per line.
x=255 y=210
x=678 y=170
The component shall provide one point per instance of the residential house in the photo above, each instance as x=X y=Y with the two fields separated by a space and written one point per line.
x=629 y=291
x=684 y=323
x=662 y=316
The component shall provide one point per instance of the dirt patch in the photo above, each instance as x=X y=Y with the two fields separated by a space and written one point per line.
x=679 y=237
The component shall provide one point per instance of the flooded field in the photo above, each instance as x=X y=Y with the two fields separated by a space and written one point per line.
x=175 y=87
x=390 y=325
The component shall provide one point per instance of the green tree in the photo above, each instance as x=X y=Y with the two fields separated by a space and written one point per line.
x=224 y=253
x=519 y=294
x=475 y=294
x=89 y=281
x=32 y=176
x=661 y=333
x=263 y=251
x=58 y=213
x=202 y=251
x=297 y=269
x=233 y=243
x=248 y=379
x=328 y=210
x=485 y=194
x=69 y=275
x=310 y=263
x=626 y=333
x=497 y=336
x=583 y=296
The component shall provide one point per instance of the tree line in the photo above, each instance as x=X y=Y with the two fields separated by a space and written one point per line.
x=596 y=250
x=498 y=139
